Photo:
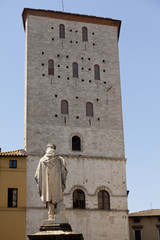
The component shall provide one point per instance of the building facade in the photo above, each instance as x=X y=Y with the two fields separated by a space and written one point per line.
x=145 y=225
x=13 y=195
x=73 y=100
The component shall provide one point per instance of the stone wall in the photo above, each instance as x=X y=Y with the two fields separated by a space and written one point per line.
x=89 y=175
x=44 y=121
x=100 y=165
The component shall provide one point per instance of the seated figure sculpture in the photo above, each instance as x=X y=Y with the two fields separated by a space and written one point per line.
x=51 y=176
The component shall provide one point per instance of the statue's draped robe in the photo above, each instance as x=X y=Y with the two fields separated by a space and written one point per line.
x=50 y=176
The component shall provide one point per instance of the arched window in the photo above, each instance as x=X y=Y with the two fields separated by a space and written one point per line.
x=89 y=109
x=96 y=72
x=103 y=200
x=78 y=199
x=64 y=107
x=75 y=69
x=84 y=34
x=76 y=143
x=61 y=31
x=50 y=67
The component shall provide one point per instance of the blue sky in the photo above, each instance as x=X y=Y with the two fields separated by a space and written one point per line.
x=139 y=53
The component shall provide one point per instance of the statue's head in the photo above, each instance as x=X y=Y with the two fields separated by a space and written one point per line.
x=51 y=149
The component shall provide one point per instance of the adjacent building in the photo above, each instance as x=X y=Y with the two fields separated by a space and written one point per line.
x=13 y=195
x=73 y=100
x=145 y=225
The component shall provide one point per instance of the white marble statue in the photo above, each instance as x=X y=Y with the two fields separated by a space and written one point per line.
x=51 y=176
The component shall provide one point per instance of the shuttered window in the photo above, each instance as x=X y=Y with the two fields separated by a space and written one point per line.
x=75 y=69
x=96 y=72
x=78 y=199
x=137 y=234
x=61 y=31
x=50 y=67
x=103 y=200
x=84 y=34
x=12 y=197
x=89 y=109
x=64 y=107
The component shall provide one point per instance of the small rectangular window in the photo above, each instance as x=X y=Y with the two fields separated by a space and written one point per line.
x=137 y=234
x=96 y=72
x=12 y=197
x=12 y=163
x=75 y=69
x=50 y=67
x=61 y=31
x=84 y=34
x=158 y=234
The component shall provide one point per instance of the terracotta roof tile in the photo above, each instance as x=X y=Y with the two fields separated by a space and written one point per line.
x=16 y=153
x=145 y=213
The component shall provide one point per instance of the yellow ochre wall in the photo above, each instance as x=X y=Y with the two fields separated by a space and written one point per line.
x=12 y=220
x=149 y=226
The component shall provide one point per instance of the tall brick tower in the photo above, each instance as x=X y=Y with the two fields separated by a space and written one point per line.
x=73 y=100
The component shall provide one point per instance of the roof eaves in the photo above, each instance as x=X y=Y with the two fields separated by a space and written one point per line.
x=146 y=213
x=71 y=17
x=16 y=153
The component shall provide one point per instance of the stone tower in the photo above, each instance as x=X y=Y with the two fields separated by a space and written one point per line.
x=73 y=99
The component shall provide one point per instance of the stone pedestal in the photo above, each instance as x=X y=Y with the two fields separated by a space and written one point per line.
x=52 y=230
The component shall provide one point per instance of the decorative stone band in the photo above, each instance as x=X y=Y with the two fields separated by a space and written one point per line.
x=83 y=156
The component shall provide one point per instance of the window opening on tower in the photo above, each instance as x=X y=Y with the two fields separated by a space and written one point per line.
x=84 y=34
x=96 y=72
x=75 y=70
x=76 y=143
x=61 y=31
x=50 y=67
x=64 y=107
x=89 y=109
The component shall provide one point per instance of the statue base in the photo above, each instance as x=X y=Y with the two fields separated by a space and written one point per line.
x=52 y=230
